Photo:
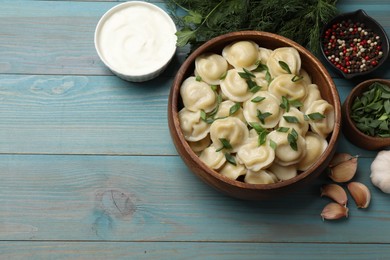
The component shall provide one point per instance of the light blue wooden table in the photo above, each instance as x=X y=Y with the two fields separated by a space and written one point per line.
x=88 y=169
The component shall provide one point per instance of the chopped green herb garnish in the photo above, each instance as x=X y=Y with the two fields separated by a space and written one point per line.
x=283 y=129
x=272 y=144
x=291 y=119
x=198 y=78
x=285 y=104
x=230 y=159
x=214 y=87
x=292 y=139
x=233 y=109
x=315 y=116
x=225 y=144
x=257 y=99
x=261 y=132
x=262 y=116
x=296 y=78
x=284 y=66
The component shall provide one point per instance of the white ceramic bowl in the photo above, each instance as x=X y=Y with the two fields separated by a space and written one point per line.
x=136 y=40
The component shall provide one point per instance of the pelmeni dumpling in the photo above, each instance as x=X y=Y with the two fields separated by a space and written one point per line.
x=264 y=54
x=200 y=145
x=283 y=85
x=315 y=146
x=284 y=154
x=232 y=129
x=242 y=54
x=256 y=157
x=212 y=158
x=288 y=55
x=260 y=177
x=210 y=67
x=194 y=128
x=197 y=95
x=306 y=77
x=294 y=119
x=313 y=94
x=224 y=110
x=283 y=172
x=260 y=80
x=233 y=171
x=269 y=106
x=325 y=125
x=234 y=87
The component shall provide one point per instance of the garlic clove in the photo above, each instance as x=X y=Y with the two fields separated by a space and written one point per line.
x=360 y=194
x=335 y=192
x=339 y=158
x=334 y=211
x=344 y=171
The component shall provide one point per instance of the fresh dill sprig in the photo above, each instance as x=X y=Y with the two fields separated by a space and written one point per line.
x=299 y=20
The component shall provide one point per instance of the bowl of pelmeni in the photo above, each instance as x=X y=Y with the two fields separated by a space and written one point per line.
x=254 y=115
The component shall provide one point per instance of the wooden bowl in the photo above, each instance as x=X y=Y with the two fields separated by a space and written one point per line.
x=350 y=131
x=236 y=188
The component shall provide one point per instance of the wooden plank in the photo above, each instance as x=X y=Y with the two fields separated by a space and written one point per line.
x=187 y=250
x=68 y=28
x=68 y=32
x=128 y=198
x=89 y=115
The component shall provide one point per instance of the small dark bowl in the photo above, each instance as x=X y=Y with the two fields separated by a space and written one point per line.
x=370 y=23
x=351 y=132
x=234 y=188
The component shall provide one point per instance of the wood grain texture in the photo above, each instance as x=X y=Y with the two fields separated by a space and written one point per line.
x=89 y=115
x=88 y=169
x=188 y=250
x=129 y=198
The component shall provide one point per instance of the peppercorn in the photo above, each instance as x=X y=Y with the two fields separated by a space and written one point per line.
x=351 y=47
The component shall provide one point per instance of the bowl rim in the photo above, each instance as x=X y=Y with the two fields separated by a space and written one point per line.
x=351 y=15
x=356 y=91
x=174 y=123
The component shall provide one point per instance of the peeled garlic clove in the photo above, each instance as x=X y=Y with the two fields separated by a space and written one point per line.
x=344 y=171
x=335 y=192
x=334 y=211
x=339 y=158
x=360 y=194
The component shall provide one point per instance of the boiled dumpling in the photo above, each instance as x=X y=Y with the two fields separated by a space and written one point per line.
x=233 y=171
x=224 y=110
x=269 y=107
x=264 y=54
x=200 y=145
x=315 y=146
x=288 y=55
x=212 y=158
x=305 y=76
x=210 y=67
x=242 y=54
x=313 y=94
x=284 y=85
x=235 y=87
x=192 y=125
x=231 y=129
x=197 y=95
x=283 y=172
x=294 y=119
x=284 y=152
x=260 y=177
x=256 y=157
x=324 y=125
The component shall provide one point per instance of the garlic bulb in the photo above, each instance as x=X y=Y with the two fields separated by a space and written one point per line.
x=380 y=174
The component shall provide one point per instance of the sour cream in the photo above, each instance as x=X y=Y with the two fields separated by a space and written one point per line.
x=136 y=40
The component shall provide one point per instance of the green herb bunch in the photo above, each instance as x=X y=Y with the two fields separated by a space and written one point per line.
x=371 y=111
x=299 y=20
